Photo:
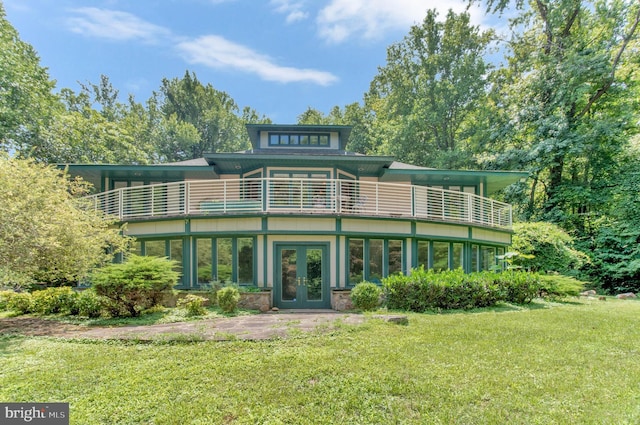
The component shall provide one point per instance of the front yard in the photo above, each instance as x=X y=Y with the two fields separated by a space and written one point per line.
x=571 y=363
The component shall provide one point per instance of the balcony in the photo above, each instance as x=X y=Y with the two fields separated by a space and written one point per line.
x=301 y=197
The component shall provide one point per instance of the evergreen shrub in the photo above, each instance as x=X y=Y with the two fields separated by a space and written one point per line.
x=135 y=285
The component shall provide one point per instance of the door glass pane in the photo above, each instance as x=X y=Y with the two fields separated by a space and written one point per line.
x=155 y=249
x=356 y=247
x=203 y=249
x=440 y=256
x=375 y=261
x=458 y=259
x=224 y=257
x=423 y=254
x=395 y=257
x=289 y=268
x=245 y=260
x=314 y=275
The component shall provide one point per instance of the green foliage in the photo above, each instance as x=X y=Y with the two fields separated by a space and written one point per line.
x=136 y=284
x=53 y=300
x=5 y=296
x=228 y=298
x=88 y=304
x=193 y=304
x=545 y=247
x=46 y=234
x=366 y=296
x=20 y=302
x=559 y=286
x=426 y=96
x=426 y=290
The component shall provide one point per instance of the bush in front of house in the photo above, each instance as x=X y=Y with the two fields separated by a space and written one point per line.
x=424 y=290
x=228 y=298
x=20 y=302
x=88 y=304
x=193 y=304
x=366 y=296
x=135 y=285
x=53 y=300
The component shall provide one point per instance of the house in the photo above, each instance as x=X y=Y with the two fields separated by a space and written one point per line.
x=300 y=215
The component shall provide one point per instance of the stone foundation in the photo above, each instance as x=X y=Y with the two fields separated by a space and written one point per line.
x=341 y=299
x=248 y=300
x=256 y=301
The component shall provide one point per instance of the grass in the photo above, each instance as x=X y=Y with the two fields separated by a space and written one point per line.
x=554 y=364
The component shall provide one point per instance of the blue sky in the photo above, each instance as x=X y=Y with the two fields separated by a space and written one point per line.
x=277 y=56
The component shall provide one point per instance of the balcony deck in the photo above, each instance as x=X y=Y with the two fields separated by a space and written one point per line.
x=301 y=196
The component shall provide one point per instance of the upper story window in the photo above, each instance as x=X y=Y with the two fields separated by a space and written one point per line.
x=305 y=140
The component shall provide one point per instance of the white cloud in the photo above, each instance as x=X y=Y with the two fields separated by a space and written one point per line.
x=292 y=8
x=217 y=52
x=372 y=19
x=114 y=25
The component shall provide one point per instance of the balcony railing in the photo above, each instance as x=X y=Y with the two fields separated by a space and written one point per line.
x=302 y=196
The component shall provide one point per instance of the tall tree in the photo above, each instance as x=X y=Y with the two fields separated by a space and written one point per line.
x=26 y=99
x=567 y=98
x=433 y=80
x=213 y=113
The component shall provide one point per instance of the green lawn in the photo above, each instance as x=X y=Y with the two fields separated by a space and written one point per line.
x=576 y=363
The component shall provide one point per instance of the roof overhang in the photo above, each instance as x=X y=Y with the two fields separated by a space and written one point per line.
x=492 y=180
x=96 y=173
x=240 y=163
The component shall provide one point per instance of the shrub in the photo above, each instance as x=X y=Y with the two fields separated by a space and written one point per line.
x=88 y=304
x=5 y=296
x=519 y=287
x=193 y=304
x=228 y=298
x=546 y=247
x=53 y=300
x=20 y=302
x=423 y=290
x=559 y=286
x=366 y=296
x=134 y=285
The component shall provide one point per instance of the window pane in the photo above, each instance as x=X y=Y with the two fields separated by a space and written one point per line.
x=395 y=257
x=375 y=260
x=284 y=139
x=423 y=254
x=356 y=247
x=155 y=249
x=304 y=140
x=274 y=139
x=223 y=260
x=203 y=248
x=245 y=260
x=324 y=140
x=294 y=139
x=475 y=260
x=176 y=254
x=313 y=140
x=137 y=248
x=488 y=257
x=458 y=256
x=440 y=256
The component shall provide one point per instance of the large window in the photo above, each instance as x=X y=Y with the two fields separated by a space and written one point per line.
x=373 y=259
x=446 y=255
x=170 y=248
x=225 y=260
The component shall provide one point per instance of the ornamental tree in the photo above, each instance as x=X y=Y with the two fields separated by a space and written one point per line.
x=47 y=233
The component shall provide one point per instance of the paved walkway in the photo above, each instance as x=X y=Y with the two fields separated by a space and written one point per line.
x=281 y=324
